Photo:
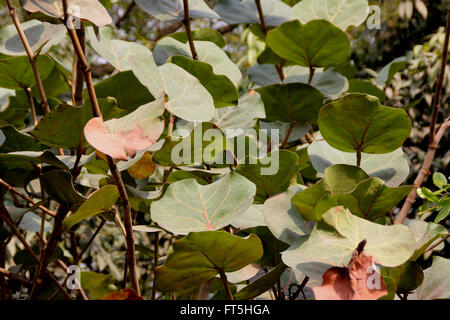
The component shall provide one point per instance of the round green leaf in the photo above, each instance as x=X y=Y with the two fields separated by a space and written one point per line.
x=317 y=43
x=291 y=102
x=200 y=256
x=335 y=238
x=360 y=122
x=271 y=174
x=16 y=72
x=100 y=201
x=188 y=206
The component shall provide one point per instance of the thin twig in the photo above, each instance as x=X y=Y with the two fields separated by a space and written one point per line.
x=79 y=78
x=423 y=173
x=288 y=135
x=437 y=97
x=15 y=277
x=438 y=243
x=156 y=264
x=31 y=56
x=27 y=247
x=31 y=103
x=80 y=255
x=434 y=138
x=261 y=17
x=26 y=198
x=187 y=24
x=299 y=289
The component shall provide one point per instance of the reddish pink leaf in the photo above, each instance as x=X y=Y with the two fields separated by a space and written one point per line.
x=116 y=145
x=357 y=281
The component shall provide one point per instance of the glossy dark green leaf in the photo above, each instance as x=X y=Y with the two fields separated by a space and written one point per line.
x=201 y=35
x=271 y=174
x=363 y=86
x=338 y=179
x=406 y=277
x=317 y=43
x=360 y=122
x=126 y=88
x=17 y=141
x=16 y=73
x=100 y=201
x=200 y=256
x=58 y=184
x=291 y=102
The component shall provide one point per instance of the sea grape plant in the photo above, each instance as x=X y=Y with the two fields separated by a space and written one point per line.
x=264 y=181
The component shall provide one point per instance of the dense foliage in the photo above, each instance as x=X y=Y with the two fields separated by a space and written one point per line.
x=230 y=149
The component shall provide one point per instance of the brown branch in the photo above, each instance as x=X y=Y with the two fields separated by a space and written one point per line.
x=286 y=138
x=423 y=173
x=131 y=254
x=131 y=257
x=437 y=97
x=31 y=56
x=26 y=198
x=299 y=289
x=438 y=243
x=55 y=237
x=187 y=24
x=224 y=279
x=88 y=244
x=27 y=247
x=156 y=264
x=79 y=81
x=434 y=138
x=261 y=17
x=227 y=28
x=15 y=277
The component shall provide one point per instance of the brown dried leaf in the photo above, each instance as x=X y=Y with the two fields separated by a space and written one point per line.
x=358 y=281
x=116 y=145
